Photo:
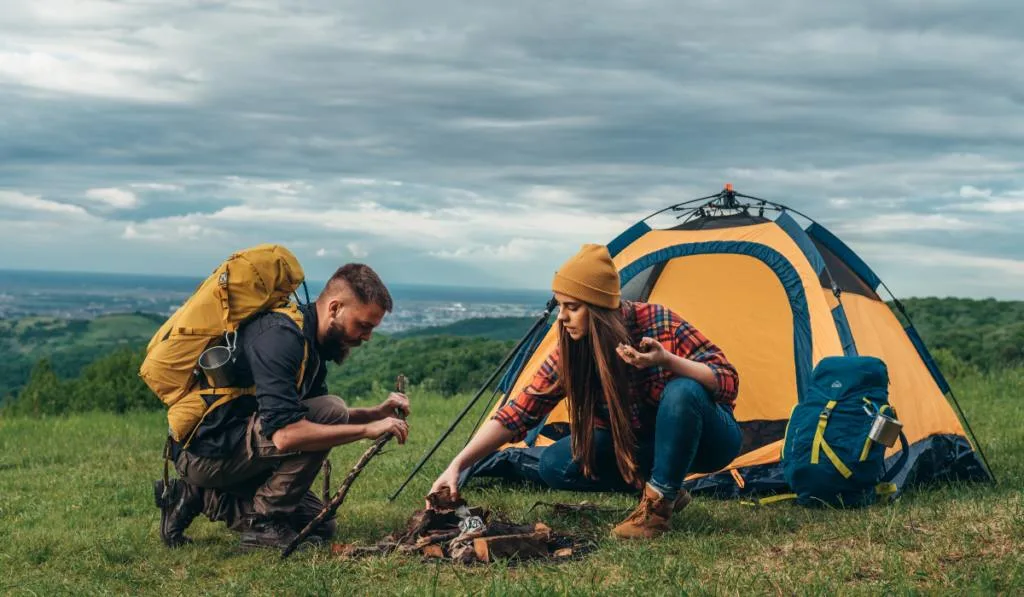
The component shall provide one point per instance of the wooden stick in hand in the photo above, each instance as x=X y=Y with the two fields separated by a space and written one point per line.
x=331 y=507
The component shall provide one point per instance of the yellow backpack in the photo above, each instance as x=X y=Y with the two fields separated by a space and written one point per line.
x=250 y=281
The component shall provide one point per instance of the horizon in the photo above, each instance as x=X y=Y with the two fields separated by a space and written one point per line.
x=310 y=282
x=407 y=285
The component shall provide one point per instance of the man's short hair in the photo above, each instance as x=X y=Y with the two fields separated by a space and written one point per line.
x=364 y=283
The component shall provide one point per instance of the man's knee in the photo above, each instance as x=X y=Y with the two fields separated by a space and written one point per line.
x=683 y=395
x=327 y=410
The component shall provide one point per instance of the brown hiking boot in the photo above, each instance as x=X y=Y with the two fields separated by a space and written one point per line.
x=651 y=516
x=179 y=505
x=683 y=499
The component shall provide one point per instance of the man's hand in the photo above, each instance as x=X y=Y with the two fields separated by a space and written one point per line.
x=651 y=354
x=397 y=427
x=395 y=403
x=450 y=479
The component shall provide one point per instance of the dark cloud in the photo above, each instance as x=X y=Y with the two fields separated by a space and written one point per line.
x=862 y=114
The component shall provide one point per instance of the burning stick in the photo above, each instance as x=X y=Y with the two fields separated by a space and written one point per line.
x=336 y=501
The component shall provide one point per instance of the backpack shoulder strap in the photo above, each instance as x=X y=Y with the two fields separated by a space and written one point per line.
x=900 y=462
x=292 y=312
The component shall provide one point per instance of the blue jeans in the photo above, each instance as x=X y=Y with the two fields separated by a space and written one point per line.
x=692 y=434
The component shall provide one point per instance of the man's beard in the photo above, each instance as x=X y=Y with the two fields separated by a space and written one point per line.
x=336 y=346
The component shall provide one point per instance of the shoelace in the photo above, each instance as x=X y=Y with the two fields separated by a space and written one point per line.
x=643 y=510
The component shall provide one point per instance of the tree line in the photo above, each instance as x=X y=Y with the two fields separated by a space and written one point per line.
x=966 y=337
x=444 y=365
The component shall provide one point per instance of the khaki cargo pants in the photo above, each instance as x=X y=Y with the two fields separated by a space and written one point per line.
x=260 y=479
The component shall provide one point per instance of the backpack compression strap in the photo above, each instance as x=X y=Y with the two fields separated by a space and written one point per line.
x=820 y=445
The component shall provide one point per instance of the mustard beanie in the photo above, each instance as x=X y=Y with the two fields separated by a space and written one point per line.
x=589 y=276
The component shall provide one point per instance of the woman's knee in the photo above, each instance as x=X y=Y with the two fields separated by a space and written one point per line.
x=555 y=464
x=683 y=395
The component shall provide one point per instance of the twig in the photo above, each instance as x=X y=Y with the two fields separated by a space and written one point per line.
x=331 y=507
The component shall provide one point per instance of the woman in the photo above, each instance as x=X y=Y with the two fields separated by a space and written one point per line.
x=650 y=399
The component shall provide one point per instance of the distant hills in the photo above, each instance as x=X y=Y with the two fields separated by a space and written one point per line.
x=69 y=344
x=72 y=344
x=965 y=335
x=493 y=328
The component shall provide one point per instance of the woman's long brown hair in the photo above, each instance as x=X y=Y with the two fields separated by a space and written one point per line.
x=590 y=371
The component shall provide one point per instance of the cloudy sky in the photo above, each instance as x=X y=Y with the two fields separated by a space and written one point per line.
x=481 y=142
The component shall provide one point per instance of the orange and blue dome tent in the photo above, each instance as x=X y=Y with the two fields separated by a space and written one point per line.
x=776 y=296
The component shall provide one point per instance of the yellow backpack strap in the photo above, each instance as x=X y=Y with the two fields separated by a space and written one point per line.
x=885 y=489
x=782 y=497
x=225 y=302
x=291 y=310
x=226 y=395
x=819 y=433
x=836 y=462
x=820 y=445
x=867 y=448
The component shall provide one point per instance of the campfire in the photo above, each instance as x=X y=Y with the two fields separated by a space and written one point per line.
x=451 y=529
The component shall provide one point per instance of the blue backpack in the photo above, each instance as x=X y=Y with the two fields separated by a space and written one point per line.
x=828 y=457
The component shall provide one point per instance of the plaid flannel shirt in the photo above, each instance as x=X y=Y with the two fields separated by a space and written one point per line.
x=529 y=408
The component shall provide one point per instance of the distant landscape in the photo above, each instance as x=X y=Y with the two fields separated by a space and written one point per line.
x=67 y=365
x=57 y=327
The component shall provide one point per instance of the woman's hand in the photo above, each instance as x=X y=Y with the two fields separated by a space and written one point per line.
x=650 y=354
x=449 y=479
x=491 y=436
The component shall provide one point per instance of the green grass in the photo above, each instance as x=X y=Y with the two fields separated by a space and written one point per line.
x=77 y=516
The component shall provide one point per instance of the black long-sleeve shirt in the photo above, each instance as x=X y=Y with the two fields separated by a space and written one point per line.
x=272 y=349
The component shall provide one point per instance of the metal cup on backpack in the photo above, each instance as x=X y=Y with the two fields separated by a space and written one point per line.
x=885 y=430
x=218 y=362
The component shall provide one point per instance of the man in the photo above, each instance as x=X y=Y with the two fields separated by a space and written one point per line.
x=251 y=463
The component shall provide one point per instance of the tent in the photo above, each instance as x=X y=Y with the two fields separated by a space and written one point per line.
x=777 y=297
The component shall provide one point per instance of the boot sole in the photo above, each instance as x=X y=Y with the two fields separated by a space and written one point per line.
x=248 y=546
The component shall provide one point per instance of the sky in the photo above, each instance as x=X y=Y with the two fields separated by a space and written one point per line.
x=480 y=143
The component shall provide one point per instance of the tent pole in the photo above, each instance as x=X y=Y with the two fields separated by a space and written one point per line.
x=977 y=444
x=956 y=403
x=483 y=414
x=497 y=371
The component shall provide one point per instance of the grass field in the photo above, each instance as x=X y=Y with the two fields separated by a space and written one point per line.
x=77 y=516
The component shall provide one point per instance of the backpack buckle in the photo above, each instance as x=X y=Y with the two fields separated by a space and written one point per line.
x=826 y=413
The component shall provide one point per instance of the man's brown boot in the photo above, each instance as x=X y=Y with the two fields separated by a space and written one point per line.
x=651 y=516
